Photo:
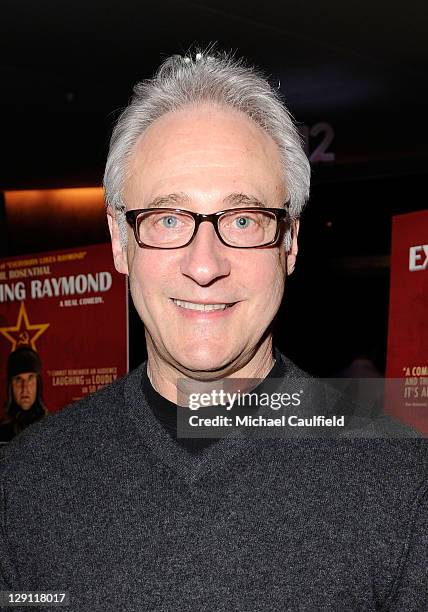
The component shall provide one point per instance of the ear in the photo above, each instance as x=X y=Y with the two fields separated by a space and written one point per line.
x=292 y=253
x=119 y=253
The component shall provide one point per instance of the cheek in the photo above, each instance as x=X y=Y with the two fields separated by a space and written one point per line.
x=269 y=279
x=149 y=275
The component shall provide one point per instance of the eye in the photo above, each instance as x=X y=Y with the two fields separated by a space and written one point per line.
x=243 y=222
x=169 y=221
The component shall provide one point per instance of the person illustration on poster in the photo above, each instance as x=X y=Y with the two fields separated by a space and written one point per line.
x=24 y=404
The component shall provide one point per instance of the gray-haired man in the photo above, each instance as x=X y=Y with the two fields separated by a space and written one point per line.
x=205 y=182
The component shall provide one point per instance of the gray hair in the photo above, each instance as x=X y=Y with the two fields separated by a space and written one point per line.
x=207 y=77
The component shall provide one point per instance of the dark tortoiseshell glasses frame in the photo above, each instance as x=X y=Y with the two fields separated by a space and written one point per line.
x=281 y=215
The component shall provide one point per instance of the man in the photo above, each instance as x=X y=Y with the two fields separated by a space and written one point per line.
x=25 y=402
x=129 y=515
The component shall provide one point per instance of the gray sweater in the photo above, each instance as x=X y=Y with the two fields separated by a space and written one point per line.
x=98 y=500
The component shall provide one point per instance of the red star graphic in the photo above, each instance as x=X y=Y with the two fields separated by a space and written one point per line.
x=22 y=333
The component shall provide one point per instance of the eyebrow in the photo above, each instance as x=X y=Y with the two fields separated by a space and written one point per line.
x=166 y=200
x=180 y=199
x=241 y=199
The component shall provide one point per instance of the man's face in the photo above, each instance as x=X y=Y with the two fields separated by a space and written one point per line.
x=24 y=389
x=204 y=159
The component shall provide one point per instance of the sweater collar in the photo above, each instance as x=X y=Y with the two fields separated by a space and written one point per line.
x=189 y=467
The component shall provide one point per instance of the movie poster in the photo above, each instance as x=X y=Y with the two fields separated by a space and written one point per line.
x=407 y=357
x=70 y=307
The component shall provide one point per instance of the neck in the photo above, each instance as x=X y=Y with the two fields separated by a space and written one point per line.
x=164 y=373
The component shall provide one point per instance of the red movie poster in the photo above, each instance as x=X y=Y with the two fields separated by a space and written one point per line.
x=71 y=308
x=408 y=321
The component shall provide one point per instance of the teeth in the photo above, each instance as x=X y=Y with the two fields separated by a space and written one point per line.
x=202 y=307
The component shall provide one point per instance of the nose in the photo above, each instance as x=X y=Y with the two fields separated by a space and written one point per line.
x=206 y=259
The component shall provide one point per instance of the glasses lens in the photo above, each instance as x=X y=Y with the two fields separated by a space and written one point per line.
x=162 y=228
x=248 y=228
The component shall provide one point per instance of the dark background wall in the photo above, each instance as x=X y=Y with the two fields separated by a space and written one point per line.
x=353 y=74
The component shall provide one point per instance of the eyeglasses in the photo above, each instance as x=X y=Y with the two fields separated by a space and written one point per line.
x=174 y=228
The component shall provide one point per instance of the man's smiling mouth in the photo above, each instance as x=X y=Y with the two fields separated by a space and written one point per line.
x=202 y=307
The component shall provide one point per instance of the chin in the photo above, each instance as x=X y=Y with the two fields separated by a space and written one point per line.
x=202 y=359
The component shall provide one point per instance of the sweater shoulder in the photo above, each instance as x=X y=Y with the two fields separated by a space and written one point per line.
x=380 y=450
x=75 y=429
